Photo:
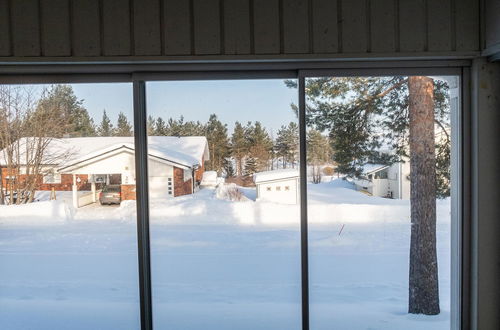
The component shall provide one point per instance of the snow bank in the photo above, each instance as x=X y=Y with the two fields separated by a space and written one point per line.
x=230 y=192
x=40 y=213
x=209 y=179
x=329 y=203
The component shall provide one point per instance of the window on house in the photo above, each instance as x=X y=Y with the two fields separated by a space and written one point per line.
x=381 y=175
x=52 y=178
x=224 y=257
x=66 y=260
x=367 y=251
x=218 y=260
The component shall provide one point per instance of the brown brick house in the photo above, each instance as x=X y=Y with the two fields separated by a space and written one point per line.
x=176 y=165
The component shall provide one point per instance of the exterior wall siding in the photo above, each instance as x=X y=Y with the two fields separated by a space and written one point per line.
x=128 y=192
x=65 y=185
x=181 y=187
x=198 y=174
x=117 y=30
x=492 y=28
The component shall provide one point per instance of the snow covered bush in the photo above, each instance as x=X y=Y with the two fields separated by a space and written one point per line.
x=230 y=192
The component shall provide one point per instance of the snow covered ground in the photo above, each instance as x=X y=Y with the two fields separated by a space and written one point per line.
x=216 y=264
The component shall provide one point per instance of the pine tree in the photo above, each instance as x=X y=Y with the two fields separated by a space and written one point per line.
x=123 y=127
x=287 y=144
x=218 y=144
x=174 y=127
x=259 y=145
x=192 y=128
x=424 y=288
x=362 y=112
x=250 y=166
x=75 y=119
x=228 y=168
x=160 y=127
x=106 y=127
x=151 y=125
x=239 y=147
x=318 y=152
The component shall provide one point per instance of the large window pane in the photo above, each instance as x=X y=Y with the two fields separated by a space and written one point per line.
x=224 y=199
x=68 y=260
x=379 y=201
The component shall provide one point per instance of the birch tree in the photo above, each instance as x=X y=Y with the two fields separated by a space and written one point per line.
x=28 y=127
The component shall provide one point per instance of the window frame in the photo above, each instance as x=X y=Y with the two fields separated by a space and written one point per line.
x=140 y=73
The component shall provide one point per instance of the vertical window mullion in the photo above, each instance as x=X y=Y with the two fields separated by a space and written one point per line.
x=142 y=196
x=303 y=205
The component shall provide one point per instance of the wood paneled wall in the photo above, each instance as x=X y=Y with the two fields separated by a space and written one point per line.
x=98 y=29
x=492 y=28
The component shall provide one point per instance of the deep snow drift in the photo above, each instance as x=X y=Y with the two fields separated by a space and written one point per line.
x=216 y=264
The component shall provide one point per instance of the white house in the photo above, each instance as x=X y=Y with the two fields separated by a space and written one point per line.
x=175 y=166
x=392 y=181
x=280 y=186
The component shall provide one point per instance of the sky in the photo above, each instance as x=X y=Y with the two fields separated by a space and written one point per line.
x=267 y=101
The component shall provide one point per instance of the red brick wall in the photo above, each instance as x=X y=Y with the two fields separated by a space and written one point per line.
x=181 y=187
x=198 y=174
x=65 y=185
x=128 y=192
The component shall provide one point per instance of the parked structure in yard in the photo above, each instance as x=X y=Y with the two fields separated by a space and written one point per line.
x=392 y=181
x=176 y=165
x=280 y=186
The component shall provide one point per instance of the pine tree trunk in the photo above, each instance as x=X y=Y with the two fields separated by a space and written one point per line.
x=423 y=281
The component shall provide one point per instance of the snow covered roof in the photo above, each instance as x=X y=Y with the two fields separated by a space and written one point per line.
x=371 y=168
x=275 y=175
x=65 y=152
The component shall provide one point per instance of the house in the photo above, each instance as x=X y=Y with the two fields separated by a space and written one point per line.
x=176 y=165
x=392 y=181
x=280 y=186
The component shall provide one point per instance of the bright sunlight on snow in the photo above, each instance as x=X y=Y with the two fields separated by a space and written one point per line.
x=238 y=260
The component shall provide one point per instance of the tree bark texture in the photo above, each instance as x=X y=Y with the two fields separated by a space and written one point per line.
x=423 y=279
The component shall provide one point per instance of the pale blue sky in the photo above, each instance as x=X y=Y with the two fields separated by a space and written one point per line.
x=267 y=101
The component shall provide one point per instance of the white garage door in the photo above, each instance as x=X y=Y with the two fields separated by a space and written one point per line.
x=160 y=187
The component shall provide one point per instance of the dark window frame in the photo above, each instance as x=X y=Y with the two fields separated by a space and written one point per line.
x=138 y=74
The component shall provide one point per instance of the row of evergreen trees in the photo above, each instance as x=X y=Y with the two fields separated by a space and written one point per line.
x=75 y=119
x=248 y=149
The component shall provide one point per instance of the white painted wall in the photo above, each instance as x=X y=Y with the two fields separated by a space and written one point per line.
x=397 y=183
x=380 y=187
x=124 y=163
x=276 y=191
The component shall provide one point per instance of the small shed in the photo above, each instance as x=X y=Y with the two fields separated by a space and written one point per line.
x=278 y=186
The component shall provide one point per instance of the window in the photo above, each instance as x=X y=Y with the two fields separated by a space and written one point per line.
x=381 y=174
x=366 y=250
x=226 y=253
x=52 y=178
x=67 y=260
x=223 y=257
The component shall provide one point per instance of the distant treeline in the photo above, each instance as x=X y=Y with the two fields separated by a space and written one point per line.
x=248 y=149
